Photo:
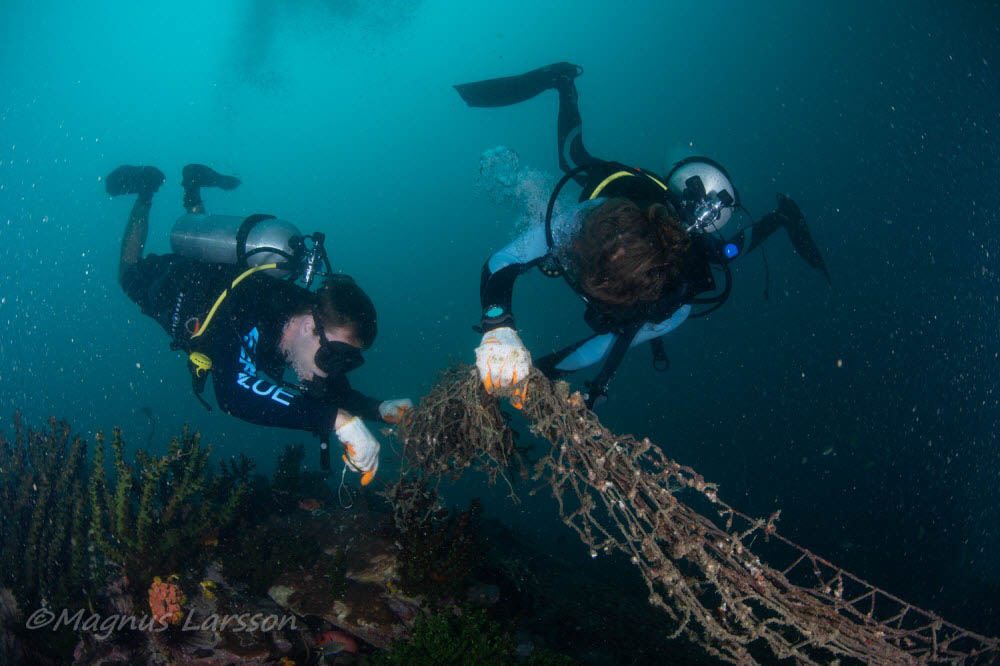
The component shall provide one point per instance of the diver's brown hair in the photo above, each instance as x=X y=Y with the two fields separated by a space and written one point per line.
x=340 y=302
x=624 y=255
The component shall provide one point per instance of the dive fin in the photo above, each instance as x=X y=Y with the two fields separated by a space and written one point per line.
x=128 y=179
x=789 y=216
x=799 y=234
x=513 y=89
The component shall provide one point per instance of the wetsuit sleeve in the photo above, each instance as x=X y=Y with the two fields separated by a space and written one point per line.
x=240 y=392
x=353 y=401
x=496 y=286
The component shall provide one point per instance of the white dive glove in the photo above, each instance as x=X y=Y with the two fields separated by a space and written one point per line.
x=360 y=448
x=392 y=411
x=503 y=361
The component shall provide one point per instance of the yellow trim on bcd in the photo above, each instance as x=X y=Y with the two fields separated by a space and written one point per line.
x=620 y=174
x=201 y=362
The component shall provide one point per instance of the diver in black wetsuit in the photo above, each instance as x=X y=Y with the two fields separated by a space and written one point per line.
x=246 y=327
x=639 y=249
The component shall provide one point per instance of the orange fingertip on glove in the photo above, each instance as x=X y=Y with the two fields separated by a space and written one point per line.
x=397 y=416
x=366 y=478
x=519 y=397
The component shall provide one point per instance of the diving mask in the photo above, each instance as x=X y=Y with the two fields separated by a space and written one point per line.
x=333 y=356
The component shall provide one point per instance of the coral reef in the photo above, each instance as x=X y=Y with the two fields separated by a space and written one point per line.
x=259 y=553
x=293 y=485
x=447 y=638
x=353 y=585
x=439 y=550
x=270 y=538
x=74 y=538
x=43 y=524
x=165 y=513
x=336 y=573
x=165 y=599
x=169 y=537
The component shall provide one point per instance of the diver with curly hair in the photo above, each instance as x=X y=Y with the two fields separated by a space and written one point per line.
x=227 y=296
x=641 y=250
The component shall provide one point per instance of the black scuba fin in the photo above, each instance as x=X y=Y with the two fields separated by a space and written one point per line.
x=789 y=216
x=799 y=234
x=199 y=175
x=513 y=89
x=128 y=179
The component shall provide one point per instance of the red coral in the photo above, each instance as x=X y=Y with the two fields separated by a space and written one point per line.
x=165 y=601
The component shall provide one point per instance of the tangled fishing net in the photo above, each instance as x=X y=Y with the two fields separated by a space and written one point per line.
x=692 y=549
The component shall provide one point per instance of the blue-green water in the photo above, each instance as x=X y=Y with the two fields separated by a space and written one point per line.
x=880 y=118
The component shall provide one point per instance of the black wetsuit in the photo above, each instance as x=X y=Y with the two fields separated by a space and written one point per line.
x=241 y=340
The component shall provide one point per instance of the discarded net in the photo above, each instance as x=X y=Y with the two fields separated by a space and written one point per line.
x=692 y=549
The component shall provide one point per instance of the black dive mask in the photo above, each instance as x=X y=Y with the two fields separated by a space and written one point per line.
x=333 y=356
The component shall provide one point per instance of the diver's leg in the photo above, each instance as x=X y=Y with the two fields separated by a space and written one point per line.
x=196 y=176
x=144 y=182
x=571 y=150
x=509 y=90
x=134 y=240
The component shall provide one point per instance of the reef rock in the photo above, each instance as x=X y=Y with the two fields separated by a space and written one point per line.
x=354 y=586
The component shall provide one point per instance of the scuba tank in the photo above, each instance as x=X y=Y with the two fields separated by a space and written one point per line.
x=243 y=241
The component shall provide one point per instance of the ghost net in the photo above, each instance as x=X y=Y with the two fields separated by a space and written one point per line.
x=692 y=549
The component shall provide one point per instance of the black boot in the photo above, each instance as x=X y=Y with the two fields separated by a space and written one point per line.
x=196 y=176
x=128 y=179
x=513 y=89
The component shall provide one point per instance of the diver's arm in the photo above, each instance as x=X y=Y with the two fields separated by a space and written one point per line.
x=496 y=294
x=496 y=286
x=241 y=392
x=347 y=398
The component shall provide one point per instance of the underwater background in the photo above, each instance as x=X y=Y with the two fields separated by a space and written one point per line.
x=865 y=409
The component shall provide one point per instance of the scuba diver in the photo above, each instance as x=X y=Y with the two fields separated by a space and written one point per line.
x=640 y=250
x=227 y=296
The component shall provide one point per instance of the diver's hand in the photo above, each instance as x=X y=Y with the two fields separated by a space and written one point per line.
x=360 y=448
x=503 y=361
x=392 y=411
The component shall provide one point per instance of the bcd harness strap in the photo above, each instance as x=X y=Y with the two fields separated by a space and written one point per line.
x=661 y=362
x=598 y=387
x=199 y=363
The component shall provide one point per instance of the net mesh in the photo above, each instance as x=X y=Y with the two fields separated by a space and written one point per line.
x=730 y=583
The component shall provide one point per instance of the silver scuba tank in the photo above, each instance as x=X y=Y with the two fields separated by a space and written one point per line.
x=232 y=239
